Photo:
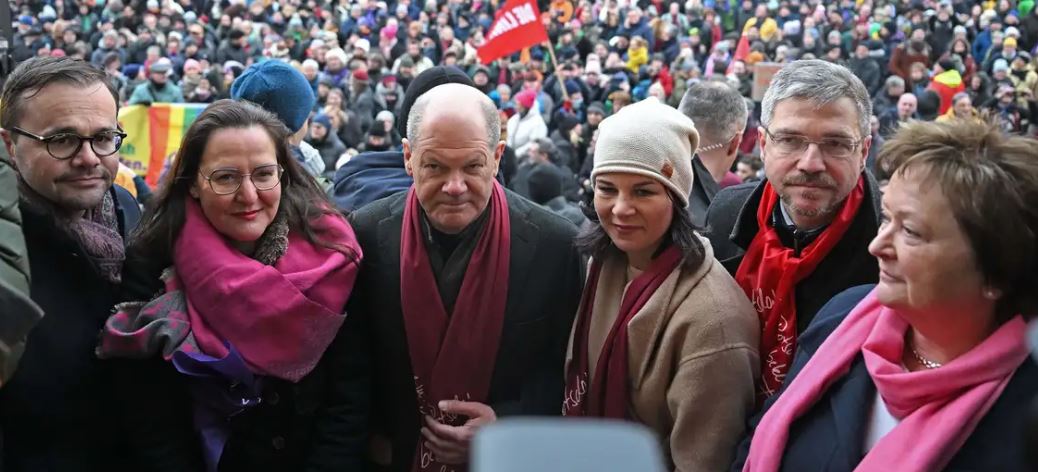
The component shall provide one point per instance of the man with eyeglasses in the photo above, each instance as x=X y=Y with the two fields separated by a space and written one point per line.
x=59 y=120
x=800 y=236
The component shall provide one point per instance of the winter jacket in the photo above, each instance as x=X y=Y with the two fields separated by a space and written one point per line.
x=330 y=148
x=58 y=411
x=147 y=94
x=20 y=312
x=522 y=130
x=368 y=177
x=544 y=282
x=947 y=84
x=314 y=424
x=692 y=359
x=830 y=435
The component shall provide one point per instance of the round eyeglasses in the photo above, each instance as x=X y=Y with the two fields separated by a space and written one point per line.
x=228 y=181
x=63 y=146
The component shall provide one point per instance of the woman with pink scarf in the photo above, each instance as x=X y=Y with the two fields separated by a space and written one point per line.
x=929 y=369
x=242 y=360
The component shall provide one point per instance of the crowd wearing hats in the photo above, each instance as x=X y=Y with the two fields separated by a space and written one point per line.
x=359 y=57
x=583 y=227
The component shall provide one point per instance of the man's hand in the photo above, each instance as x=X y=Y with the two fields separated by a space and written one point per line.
x=450 y=444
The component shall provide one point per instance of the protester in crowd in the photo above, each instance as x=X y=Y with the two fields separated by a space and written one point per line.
x=748 y=168
x=253 y=267
x=462 y=330
x=720 y=116
x=372 y=176
x=865 y=67
x=282 y=90
x=158 y=88
x=326 y=142
x=61 y=130
x=947 y=81
x=539 y=155
x=20 y=312
x=800 y=236
x=1005 y=107
x=913 y=51
x=345 y=122
x=545 y=188
x=527 y=124
x=962 y=108
x=887 y=99
x=659 y=312
x=907 y=109
x=931 y=367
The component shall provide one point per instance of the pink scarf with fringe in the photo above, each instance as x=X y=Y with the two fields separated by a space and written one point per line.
x=938 y=408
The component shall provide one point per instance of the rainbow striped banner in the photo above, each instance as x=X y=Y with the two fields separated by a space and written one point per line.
x=153 y=133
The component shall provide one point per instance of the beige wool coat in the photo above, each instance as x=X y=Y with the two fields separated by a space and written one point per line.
x=692 y=359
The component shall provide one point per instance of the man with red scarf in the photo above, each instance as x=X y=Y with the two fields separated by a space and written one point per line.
x=468 y=291
x=801 y=236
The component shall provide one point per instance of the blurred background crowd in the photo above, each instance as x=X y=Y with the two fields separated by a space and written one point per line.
x=920 y=59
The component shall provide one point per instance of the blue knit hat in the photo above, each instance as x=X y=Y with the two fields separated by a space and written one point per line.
x=323 y=120
x=278 y=88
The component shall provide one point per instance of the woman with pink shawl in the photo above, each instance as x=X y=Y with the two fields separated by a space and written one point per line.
x=242 y=360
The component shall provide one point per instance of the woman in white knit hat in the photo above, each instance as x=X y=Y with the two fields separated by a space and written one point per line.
x=663 y=335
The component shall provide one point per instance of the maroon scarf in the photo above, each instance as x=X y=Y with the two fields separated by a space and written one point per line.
x=609 y=395
x=769 y=273
x=453 y=355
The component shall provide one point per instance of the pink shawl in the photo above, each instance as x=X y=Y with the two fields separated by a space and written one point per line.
x=938 y=408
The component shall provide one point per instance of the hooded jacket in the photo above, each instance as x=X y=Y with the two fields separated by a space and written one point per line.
x=947 y=84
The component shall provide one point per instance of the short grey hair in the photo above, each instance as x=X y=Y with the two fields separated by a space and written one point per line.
x=820 y=82
x=545 y=146
x=490 y=117
x=895 y=80
x=717 y=109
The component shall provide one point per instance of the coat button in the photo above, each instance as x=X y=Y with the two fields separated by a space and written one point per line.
x=273 y=398
x=278 y=442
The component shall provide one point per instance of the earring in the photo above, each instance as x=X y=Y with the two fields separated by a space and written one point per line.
x=992 y=293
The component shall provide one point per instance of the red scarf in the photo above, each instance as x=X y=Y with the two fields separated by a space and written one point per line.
x=938 y=408
x=769 y=273
x=453 y=355
x=609 y=395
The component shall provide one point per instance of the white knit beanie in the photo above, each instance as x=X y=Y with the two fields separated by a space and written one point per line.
x=651 y=139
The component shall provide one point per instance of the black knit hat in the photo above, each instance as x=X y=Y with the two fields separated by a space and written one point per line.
x=426 y=81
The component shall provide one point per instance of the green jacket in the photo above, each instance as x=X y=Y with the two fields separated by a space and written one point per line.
x=146 y=94
x=20 y=314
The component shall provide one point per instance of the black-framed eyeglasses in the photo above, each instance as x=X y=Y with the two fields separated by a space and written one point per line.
x=794 y=144
x=63 y=146
x=228 y=181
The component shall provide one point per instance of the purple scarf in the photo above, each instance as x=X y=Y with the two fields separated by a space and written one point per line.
x=96 y=233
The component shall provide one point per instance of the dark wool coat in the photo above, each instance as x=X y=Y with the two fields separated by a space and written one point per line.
x=544 y=286
x=831 y=435
x=316 y=424
x=56 y=413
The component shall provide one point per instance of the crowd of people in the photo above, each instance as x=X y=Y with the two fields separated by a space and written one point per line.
x=369 y=245
x=922 y=60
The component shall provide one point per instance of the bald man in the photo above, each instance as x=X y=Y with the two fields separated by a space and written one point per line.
x=468 y=291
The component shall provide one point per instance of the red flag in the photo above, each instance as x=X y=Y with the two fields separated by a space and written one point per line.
x=742 y=49
x=517 y=25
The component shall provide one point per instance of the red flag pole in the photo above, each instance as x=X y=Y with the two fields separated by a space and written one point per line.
x=558 y=67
